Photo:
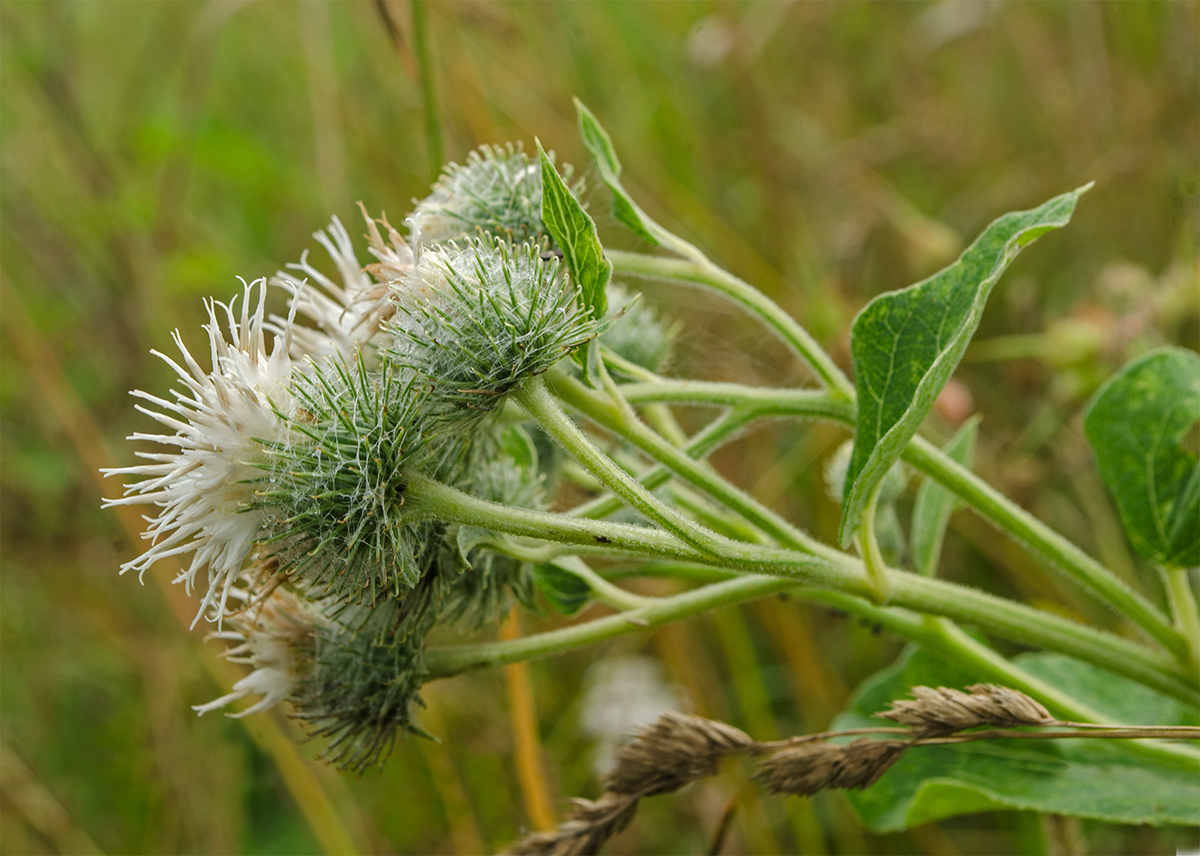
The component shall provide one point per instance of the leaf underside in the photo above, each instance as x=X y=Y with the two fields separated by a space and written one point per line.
x=1096 y=779
x=906 y=344
x=1137 y=423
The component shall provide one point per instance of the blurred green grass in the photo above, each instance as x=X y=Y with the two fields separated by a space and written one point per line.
x=150 y=152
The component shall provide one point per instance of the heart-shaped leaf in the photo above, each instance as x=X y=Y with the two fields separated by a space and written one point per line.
x=1138 y=423
x=906 y=344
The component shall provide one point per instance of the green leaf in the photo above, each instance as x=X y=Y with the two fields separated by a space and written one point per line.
x=934 y=504
x=1096 y=779
x=575 y=232
x=1137 y=423
x=565 y=591
x=906 y=344
x=600 y=145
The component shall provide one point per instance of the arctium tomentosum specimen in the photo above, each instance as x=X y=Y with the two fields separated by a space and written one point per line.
x=476 y=319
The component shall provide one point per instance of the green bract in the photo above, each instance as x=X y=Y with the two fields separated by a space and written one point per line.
x=496 y=193
x=337 y=495
x=475 y=320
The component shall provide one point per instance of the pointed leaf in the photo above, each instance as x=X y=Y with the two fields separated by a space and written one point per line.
x=600 y=145
x=906 y=344
x=1137 y=423
x=935 y=504
x=575 y=232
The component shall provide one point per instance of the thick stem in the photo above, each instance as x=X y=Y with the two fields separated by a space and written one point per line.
x=702 y=476
x=1183 y=608
x=1002 y=512
x=541 y=406
x=999 y=616
x=877 y=570
x=1016 y=521
x=704 y=272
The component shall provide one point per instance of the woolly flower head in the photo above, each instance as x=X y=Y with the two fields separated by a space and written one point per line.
x=348 y=314
x=204 y=480
x=273 y=635
x=497 y=193
x=475 y=320
x=335 y=489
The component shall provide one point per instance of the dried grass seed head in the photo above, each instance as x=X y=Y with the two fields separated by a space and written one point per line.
x=678 y=748
x=803 y=769
x=584 y=832
x=934 y=712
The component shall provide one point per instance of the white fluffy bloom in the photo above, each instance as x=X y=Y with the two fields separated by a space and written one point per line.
x=204 y=483
x=269 y=635
x=348 y=315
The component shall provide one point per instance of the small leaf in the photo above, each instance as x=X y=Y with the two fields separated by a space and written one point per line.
x=516 y=443
x=575 y=232
x=935 y=504
x=1096 y=779
x=565 y=591
x=906 y=344
x=600 y=145
x=1137 y=423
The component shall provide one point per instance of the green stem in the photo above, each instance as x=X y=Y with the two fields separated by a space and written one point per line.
x=1000 y=616
x=1027 y=529
x=703 y=272
x=986 y=500
x=605 y=414
x=877 y=570
x=542 y=408
x=1183 y=607
x=701 y=443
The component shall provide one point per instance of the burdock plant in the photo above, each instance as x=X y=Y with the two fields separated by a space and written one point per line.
x=379 y=461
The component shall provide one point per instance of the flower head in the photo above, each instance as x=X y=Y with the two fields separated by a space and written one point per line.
x=497 y=193
x=203 y=481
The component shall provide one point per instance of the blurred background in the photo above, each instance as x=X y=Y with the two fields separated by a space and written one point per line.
x=151 y=152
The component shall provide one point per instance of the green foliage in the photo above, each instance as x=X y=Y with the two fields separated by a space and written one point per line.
x=1084 y=778
x=934 y=504
x=600 y=144
x=575 y=233
x=906 y=345
x=565 y=591
x=1137 y=423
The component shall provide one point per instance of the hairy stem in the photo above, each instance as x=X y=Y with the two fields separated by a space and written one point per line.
x=540 y=405
x=1000 y=616
x=703 y=272
x=998 y=509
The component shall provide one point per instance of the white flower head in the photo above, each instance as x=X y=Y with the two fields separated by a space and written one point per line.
x=270 y=634
x=204 y=482
x=347 y=315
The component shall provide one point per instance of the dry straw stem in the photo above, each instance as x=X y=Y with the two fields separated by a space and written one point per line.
x=936 y=712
